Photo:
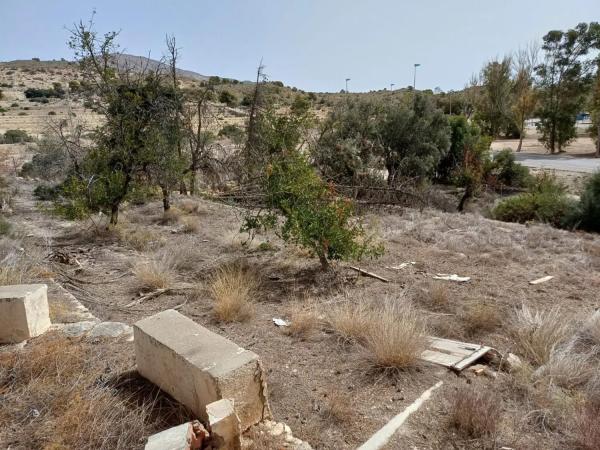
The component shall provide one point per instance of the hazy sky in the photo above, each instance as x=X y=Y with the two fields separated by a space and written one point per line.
x=311 y=44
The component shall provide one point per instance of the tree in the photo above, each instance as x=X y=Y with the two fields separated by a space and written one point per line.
x=414 y=138
x=228 y=98
x=493 y=111
x=348 y=143
x=561 y=80
x=524 y=98
x=595 y=109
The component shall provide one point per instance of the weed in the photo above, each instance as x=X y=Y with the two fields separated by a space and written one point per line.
x=233 y=288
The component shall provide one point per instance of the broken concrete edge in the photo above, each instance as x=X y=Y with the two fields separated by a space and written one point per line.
x=24 y=312
x=224 y=425
x=83 y=313
x=187 y=436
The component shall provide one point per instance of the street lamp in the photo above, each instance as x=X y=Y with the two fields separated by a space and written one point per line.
x=415 y=77
x=392 y=86
x=347 y=79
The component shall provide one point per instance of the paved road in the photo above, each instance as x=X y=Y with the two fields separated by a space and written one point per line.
x=559 y=162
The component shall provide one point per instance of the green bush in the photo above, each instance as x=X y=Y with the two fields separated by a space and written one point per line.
x=233 y=132
x=45 y=192
x=587 y=216
x=16 y=136
x=546 y=201
x=5 y=226
x=228 y=98
x=504 y=169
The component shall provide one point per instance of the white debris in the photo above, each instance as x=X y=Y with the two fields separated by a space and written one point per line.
x=542 y=280
x=280 y=322
x=404 y=265
x=451 y=277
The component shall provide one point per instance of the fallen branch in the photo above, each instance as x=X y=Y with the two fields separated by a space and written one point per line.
x=158 y=293
x=369 y=274
x=542 y=280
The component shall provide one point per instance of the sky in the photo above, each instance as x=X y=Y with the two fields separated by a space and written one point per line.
x=311 y=44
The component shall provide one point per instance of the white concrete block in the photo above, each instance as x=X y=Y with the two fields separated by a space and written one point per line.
x=225 y=433
x=187 y=436
x=23 y=312
x=198 y=367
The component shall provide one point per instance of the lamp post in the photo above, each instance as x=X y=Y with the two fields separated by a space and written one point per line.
x=415 y=76
x=347 y=79
x=391 y=86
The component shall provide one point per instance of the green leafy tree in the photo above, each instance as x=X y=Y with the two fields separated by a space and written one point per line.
x=562 y=79
x=595 y=109
x=414 y=138
x=228 y=98
x=494 y=109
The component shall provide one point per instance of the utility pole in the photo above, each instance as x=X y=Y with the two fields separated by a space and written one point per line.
x=347 y=79
x=391 y=86
x=415 y=76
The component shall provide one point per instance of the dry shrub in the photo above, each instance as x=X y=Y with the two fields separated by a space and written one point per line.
x=260 y=439
x=338 y=407
x=537 y=333
x=190 y=224
x=190 y=206
x=474 y=413
x=304 y=320
x=396 y=336
x=60 y=393
x=587 y=426
x=590 y=334
x=350 y=320
x=171 y=216
x=567 y=368
x=19 y=265
x=480 y=317
x=434 y=296
x=138 y=238
x=233 y=288
x=158 y=273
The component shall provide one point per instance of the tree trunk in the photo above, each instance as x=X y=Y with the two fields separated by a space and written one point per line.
x=466 y=196
x=166 y=199
x=598 y=143
x=114 y=214
x=193 y=182
x=521 y=135
x=324 y=262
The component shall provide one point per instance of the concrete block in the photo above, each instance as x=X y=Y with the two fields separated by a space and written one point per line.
x=23 y=312
x=198 y=367
x=225 y=433
x=187 y=436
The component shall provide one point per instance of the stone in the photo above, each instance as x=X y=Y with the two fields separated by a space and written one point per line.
x=187 y=436
x=110 y=329
x=23 y=312
x=512 y=362
x=197 y=367
x=225 y=433
x=76 y=328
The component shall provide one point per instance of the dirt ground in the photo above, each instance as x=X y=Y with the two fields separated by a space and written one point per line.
x=305 y=374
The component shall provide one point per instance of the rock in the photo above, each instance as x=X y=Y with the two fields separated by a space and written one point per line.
x=76 y=328
x=110 y=329
x=512 y=362
x=224 y=424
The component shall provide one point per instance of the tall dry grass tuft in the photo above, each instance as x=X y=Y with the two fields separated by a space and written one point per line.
x=339 y=407
x=480 y=317
x=138 y=238
x=304 y=320
x=568 y=368
x=537 y=333
x=350 y=320
x=395 y=337
x=474 y=413
x=157 y=273
x=234 y=288
x=190 y=225
x=171 y=216
x=63 y=393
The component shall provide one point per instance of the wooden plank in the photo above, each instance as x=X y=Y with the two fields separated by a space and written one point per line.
x=439 y=358
x=454 y=347
x=471 y=358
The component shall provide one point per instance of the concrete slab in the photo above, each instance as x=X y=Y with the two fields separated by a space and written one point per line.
x=225 y=433
x=198 y=367
x=181 y=437
x=23 y=312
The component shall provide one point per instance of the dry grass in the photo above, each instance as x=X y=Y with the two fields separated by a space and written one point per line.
x=538 y=333
x=396 y=336
x=591 y=330
x=434 y=296
x=350 y=320
x=587 y=426
x=234 y=288
x=480 y=317
x=567 y=368
x=338 y=408
x=190 y=224
x=158 y=273
x=190 y=206
x=60 y=393
x=304 y=320
x=474 y=413
x=171 y=217
x=138 y=238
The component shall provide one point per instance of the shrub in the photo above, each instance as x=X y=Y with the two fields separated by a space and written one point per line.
x=232 y=132
x=587 y=215
x=546 y=201
x=233 y=288
x=228 y=98
x=51 y=113
x=5 y=226
x=395 y=338
x=42 y=191
x=505 y=170
x=314 y=216
x=474 y=413
x=14 y=105
x=303 y=320
x=538 y=333
x=350 y=320
x=16 y=136
x=158 y=273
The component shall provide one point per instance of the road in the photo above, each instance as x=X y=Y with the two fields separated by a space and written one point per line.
x=559 y=162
